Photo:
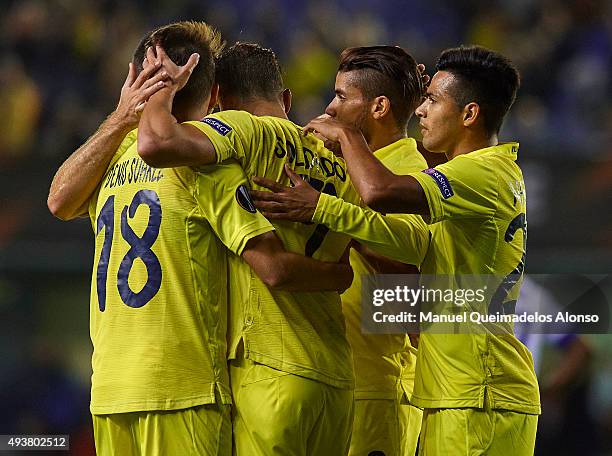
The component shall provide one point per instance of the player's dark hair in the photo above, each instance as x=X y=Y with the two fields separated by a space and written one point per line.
x=248 y=71
x=180 y=40
x=484 y=77
x=388 y=71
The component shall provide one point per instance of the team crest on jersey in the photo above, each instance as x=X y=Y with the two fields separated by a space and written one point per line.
x=243 y=196
x=222 y=128
x=442 y=182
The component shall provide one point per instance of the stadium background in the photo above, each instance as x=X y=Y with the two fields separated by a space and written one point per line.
x=61 y=67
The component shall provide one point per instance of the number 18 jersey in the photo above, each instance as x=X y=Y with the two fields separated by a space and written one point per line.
x=159 y=283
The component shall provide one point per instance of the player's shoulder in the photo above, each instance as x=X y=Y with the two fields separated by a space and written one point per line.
x=499 y=160
x=128 y=141
x=131 y=137
x=226 y=121
x=472 y=163
x=408 y=157
x=279 y=123
x=466 y=171
x=506 y=152
x=243 y=120
x=413 y=149
x=232 y=126
x=289 y=132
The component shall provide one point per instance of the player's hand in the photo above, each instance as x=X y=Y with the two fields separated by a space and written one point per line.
x=328 y=127
x=297 y=203
x=329 y=144
x=136 y=91
x=178 y=75
x=424 y=76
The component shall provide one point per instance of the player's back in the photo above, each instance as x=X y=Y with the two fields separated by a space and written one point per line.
x=158 y=311
x=301 y=333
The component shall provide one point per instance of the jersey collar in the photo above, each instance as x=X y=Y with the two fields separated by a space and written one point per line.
x=394 y=147
x=510 y=149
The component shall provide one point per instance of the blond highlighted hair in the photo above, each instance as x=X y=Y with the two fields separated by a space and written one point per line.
x=197 y=31
x=179 y=40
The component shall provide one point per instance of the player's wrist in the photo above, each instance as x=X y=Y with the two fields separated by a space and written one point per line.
x=121 y=122
x=164 y=96
x=169 y=90
x=348 y=135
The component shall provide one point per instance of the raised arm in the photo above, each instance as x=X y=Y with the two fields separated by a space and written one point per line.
x=163 y=141
x=379 y=188
x=79 y=176
x=282 y=270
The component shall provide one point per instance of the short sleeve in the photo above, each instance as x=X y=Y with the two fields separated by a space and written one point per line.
x=230 y=132
x=464 y=187
x=223 y=197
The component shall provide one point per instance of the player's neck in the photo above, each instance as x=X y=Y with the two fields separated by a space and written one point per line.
x=470 y=143
x=184 y=115
x=380 y=139
x=264 y=108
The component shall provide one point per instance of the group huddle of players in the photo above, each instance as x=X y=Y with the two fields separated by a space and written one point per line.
x=226 y=303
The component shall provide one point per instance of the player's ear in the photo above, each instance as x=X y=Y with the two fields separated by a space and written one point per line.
x=381 y=106
x=214 y=98
x=287 y=96
x=471 y=113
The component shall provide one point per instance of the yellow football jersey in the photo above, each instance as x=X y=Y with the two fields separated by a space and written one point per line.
x=478 y=225
x=477 y=203
x=298 y=333
x=380 y=359
x=159 y=289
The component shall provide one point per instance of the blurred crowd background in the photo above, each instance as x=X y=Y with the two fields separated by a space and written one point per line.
x=62 y=63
